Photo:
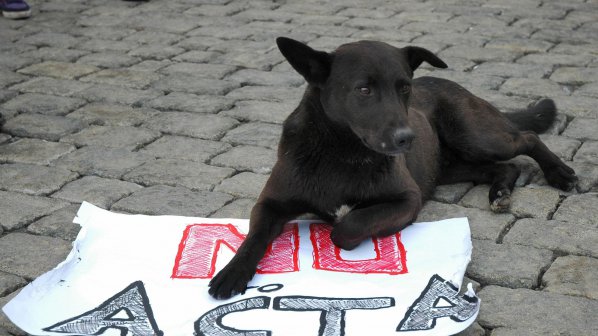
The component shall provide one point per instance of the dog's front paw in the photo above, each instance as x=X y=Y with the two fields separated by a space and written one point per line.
x=500 y=199
x=230 y=281
x=342 y=241
x=562 y=177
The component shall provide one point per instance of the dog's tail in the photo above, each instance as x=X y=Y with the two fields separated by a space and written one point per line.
x=537 y=118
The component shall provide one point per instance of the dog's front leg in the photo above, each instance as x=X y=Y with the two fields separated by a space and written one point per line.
x=266 y=223
x=377 y=220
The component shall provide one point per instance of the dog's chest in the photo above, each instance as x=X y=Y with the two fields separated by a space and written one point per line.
x=341 y=212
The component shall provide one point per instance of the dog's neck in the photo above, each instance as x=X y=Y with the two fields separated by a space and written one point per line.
x=309 y=132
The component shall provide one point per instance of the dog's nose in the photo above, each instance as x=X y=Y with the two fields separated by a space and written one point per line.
x=401 y=138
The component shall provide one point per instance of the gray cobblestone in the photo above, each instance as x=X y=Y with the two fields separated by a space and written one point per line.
x=9 y=283
x=589 y=90
x=216 y=71
x=172 y=172
x=116 y=94
x=574 y=75
x=58 y=87
x=44 y=104
x=8 y=78
x=190 y=103
x=20 y=209
x=588 y=176
x=579 y=209
x=194 y=84
x=112 y=114
x=573 y=275
x=33 y=179
x=58 y=224
x=112 y=136
x=246 y=184
x=564 y=147
x=532 y=87
x=33 y=151
x=507 y=265
x=588 y=152
x=579 y=106
x=513 y=69
x=451 y=193
x=239 y=208
x=582 y=128
x=102 y=161
x=99 y=191
x=184 y=148
x=65 y=70
x=255 y=134
x=166 y=200
x=257 y=110
x=123 y=77
x=203 y=126
x=55 y=54
x=108 y=59
x=242 y=158
x=47 y=127
x=256 y=77
x=30 y=256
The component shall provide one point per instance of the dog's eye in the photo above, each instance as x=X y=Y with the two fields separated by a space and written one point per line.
x=405 y=89
x=364 y=91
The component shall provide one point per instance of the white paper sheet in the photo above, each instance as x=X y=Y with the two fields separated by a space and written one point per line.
x=149 y=275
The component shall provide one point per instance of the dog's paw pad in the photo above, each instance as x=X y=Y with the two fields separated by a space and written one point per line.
x=501 y=202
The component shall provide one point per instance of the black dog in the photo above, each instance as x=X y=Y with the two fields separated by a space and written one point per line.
x=369 y=139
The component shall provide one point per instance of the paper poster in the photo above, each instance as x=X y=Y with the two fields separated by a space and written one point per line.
x=149 y=275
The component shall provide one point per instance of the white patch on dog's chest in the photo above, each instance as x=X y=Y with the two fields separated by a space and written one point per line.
x=342 y=211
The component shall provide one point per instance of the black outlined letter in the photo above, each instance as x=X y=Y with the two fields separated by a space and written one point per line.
x=210 y=323
x=425 y=310
x=332 y=318
x=128 y=311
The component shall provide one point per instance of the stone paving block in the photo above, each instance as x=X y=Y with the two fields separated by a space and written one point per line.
x=25 y=208
x=153 y=37
x=43 y=104
x=112 y=114
x=194 y=84
x=196 y=56
x=513 y=266
x=556 y=59
x=252 y=59
x=51 y=86
x=473 y=330
x=574 y=75
x=537 y=201
x=123 y=77
x=257 y=110
x=189 y=102
x=105 y=33
x=6 y=95
x=483 y=224
x=108 y=59
x=116 y=94
x=587 y=175
x=9 y=62
x=256 y=77
x=510 y=308
x=519 y=45
x=178 y=201
x=156 y=52
x=582 y=128
x=4 y=137
x=532 y=87
x=8 y=78
x=102 y=161
x=589 y=90
x=112 y=136
x=184 y=148
x=579 y=209
x=205 y=126
x=216 y=71
x=247 y=158
x=102 y=45
x=55 y=54
x=246 y=185
x=58 y=224
x=573 y=275
x=150 y=65
x=512 y=69
x=588 y=152
x=99 y=191
x=33 y=151
x=33 y=179
x=47 y=127
x=255 y=134
x=51 y=39
x=563 y=147
x=175 y=24
x=478 y=54
x=172 y=172
x=30 y=256
x=62 y=70
x=239 y=208
x=577 y=106
x=10 y=283
x=477 y=197
x=451 y=193
x=556 y=235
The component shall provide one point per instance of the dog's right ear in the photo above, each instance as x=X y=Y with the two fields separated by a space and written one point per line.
x=312 y=64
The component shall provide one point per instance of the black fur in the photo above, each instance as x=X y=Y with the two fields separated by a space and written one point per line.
x=368 y=135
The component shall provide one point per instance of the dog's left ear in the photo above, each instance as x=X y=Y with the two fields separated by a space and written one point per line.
x=416 y=56
x=312 y=64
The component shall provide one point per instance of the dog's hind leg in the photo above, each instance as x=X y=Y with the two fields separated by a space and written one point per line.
x=501 y=177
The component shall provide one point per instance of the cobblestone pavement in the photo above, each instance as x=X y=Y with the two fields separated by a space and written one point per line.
x=175 y=107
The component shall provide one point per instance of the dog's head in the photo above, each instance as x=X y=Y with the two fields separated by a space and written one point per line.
x=364 y=86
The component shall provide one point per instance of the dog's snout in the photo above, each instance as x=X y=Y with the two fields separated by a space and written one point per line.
x=402 y=138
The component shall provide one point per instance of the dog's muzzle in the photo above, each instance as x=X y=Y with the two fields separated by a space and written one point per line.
x=396 y=141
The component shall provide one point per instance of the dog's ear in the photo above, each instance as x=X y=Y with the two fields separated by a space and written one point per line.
x=416 y=56
x=313 y=65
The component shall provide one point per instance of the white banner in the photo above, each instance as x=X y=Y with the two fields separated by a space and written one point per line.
x=149 y=275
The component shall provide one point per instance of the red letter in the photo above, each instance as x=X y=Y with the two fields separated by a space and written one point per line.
x=198 y=250
x=390 y=254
